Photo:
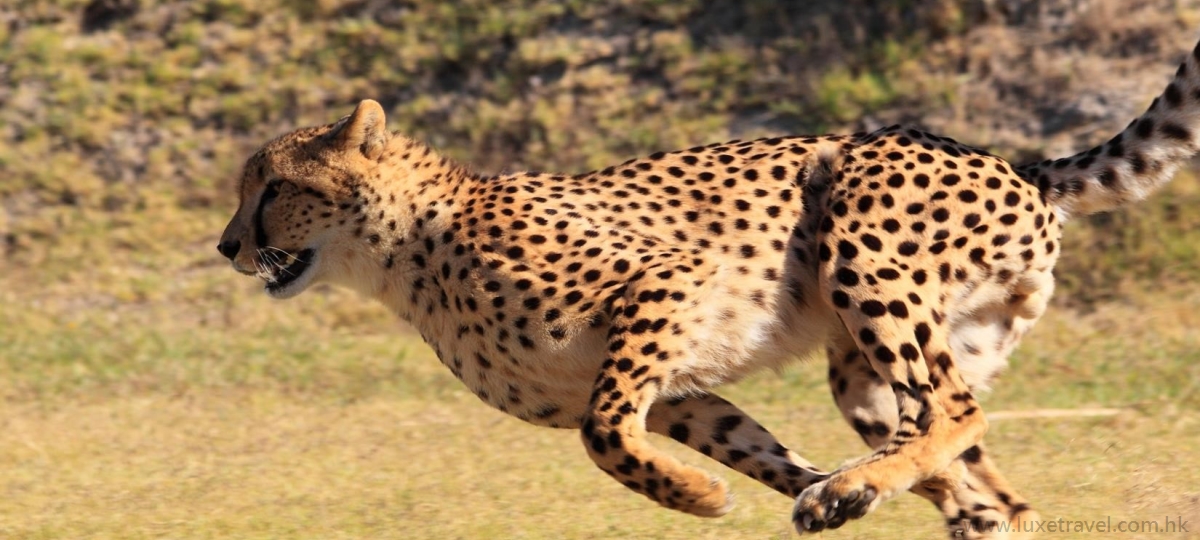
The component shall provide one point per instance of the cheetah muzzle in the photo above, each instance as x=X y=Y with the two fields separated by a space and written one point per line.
x=288 y=271
x=616 y=301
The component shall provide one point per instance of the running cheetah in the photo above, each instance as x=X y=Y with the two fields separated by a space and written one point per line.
x=615 y=301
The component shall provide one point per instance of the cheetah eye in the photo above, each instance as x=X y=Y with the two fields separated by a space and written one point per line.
x=271 y=191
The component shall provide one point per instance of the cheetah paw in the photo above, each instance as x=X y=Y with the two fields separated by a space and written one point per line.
x=830 y=503
x=714 y=501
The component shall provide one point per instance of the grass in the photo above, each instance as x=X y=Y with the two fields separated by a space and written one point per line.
x=290 y=427
x=230 y=465
x=154 y=393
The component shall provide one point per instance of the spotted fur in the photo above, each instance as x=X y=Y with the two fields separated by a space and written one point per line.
x=615 y=301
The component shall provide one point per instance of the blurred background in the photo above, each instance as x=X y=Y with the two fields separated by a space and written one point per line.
x=146 y=390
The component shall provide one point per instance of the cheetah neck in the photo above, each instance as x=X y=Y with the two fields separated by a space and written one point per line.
x=409 y=223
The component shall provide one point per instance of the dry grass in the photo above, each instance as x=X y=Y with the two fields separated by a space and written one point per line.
x=235 y=464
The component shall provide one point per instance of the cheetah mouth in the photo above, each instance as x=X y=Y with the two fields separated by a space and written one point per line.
x=286 y=275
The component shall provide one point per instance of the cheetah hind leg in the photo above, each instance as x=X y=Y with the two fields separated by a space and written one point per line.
x=980 y=504
x=938 y=417
x=718 y=429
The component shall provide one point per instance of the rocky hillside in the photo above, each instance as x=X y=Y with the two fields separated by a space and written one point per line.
x=118 y=107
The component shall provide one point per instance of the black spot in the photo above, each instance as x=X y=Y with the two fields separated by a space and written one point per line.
x=679 y=432
x=872 y=242
x=1172 y=94
x=865 y=203
x=1175 y=131
x=737 y=455
x=923 y=334
x=1108 y=177
x=847 y=277
x=1145 y=128
x=1138 y=163
x=728 y=423
x=847 y=250
x=874 y=308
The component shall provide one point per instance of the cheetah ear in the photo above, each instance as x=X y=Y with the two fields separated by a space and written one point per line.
x=364 y=130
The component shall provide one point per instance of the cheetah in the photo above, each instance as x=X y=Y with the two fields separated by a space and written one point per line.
x=616 y=301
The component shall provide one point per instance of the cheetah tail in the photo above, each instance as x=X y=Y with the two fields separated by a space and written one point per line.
x=1137 y=161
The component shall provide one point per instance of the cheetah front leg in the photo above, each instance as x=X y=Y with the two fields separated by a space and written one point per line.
x=977 y=504
x=718 y=429
x=640 y=363
x=905 y=343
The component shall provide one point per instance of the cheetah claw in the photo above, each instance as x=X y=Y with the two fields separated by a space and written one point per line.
x=820 y=507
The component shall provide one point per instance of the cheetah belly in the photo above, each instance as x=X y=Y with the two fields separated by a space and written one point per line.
x=547 y=386
x=551 y=384
x=767 y=338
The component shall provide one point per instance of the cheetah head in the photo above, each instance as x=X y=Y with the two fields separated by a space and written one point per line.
x=296 y=218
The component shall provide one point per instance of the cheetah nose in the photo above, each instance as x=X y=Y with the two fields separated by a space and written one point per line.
x=229 y=248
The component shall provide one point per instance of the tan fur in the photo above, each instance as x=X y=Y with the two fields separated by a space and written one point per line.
x=616 y=301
